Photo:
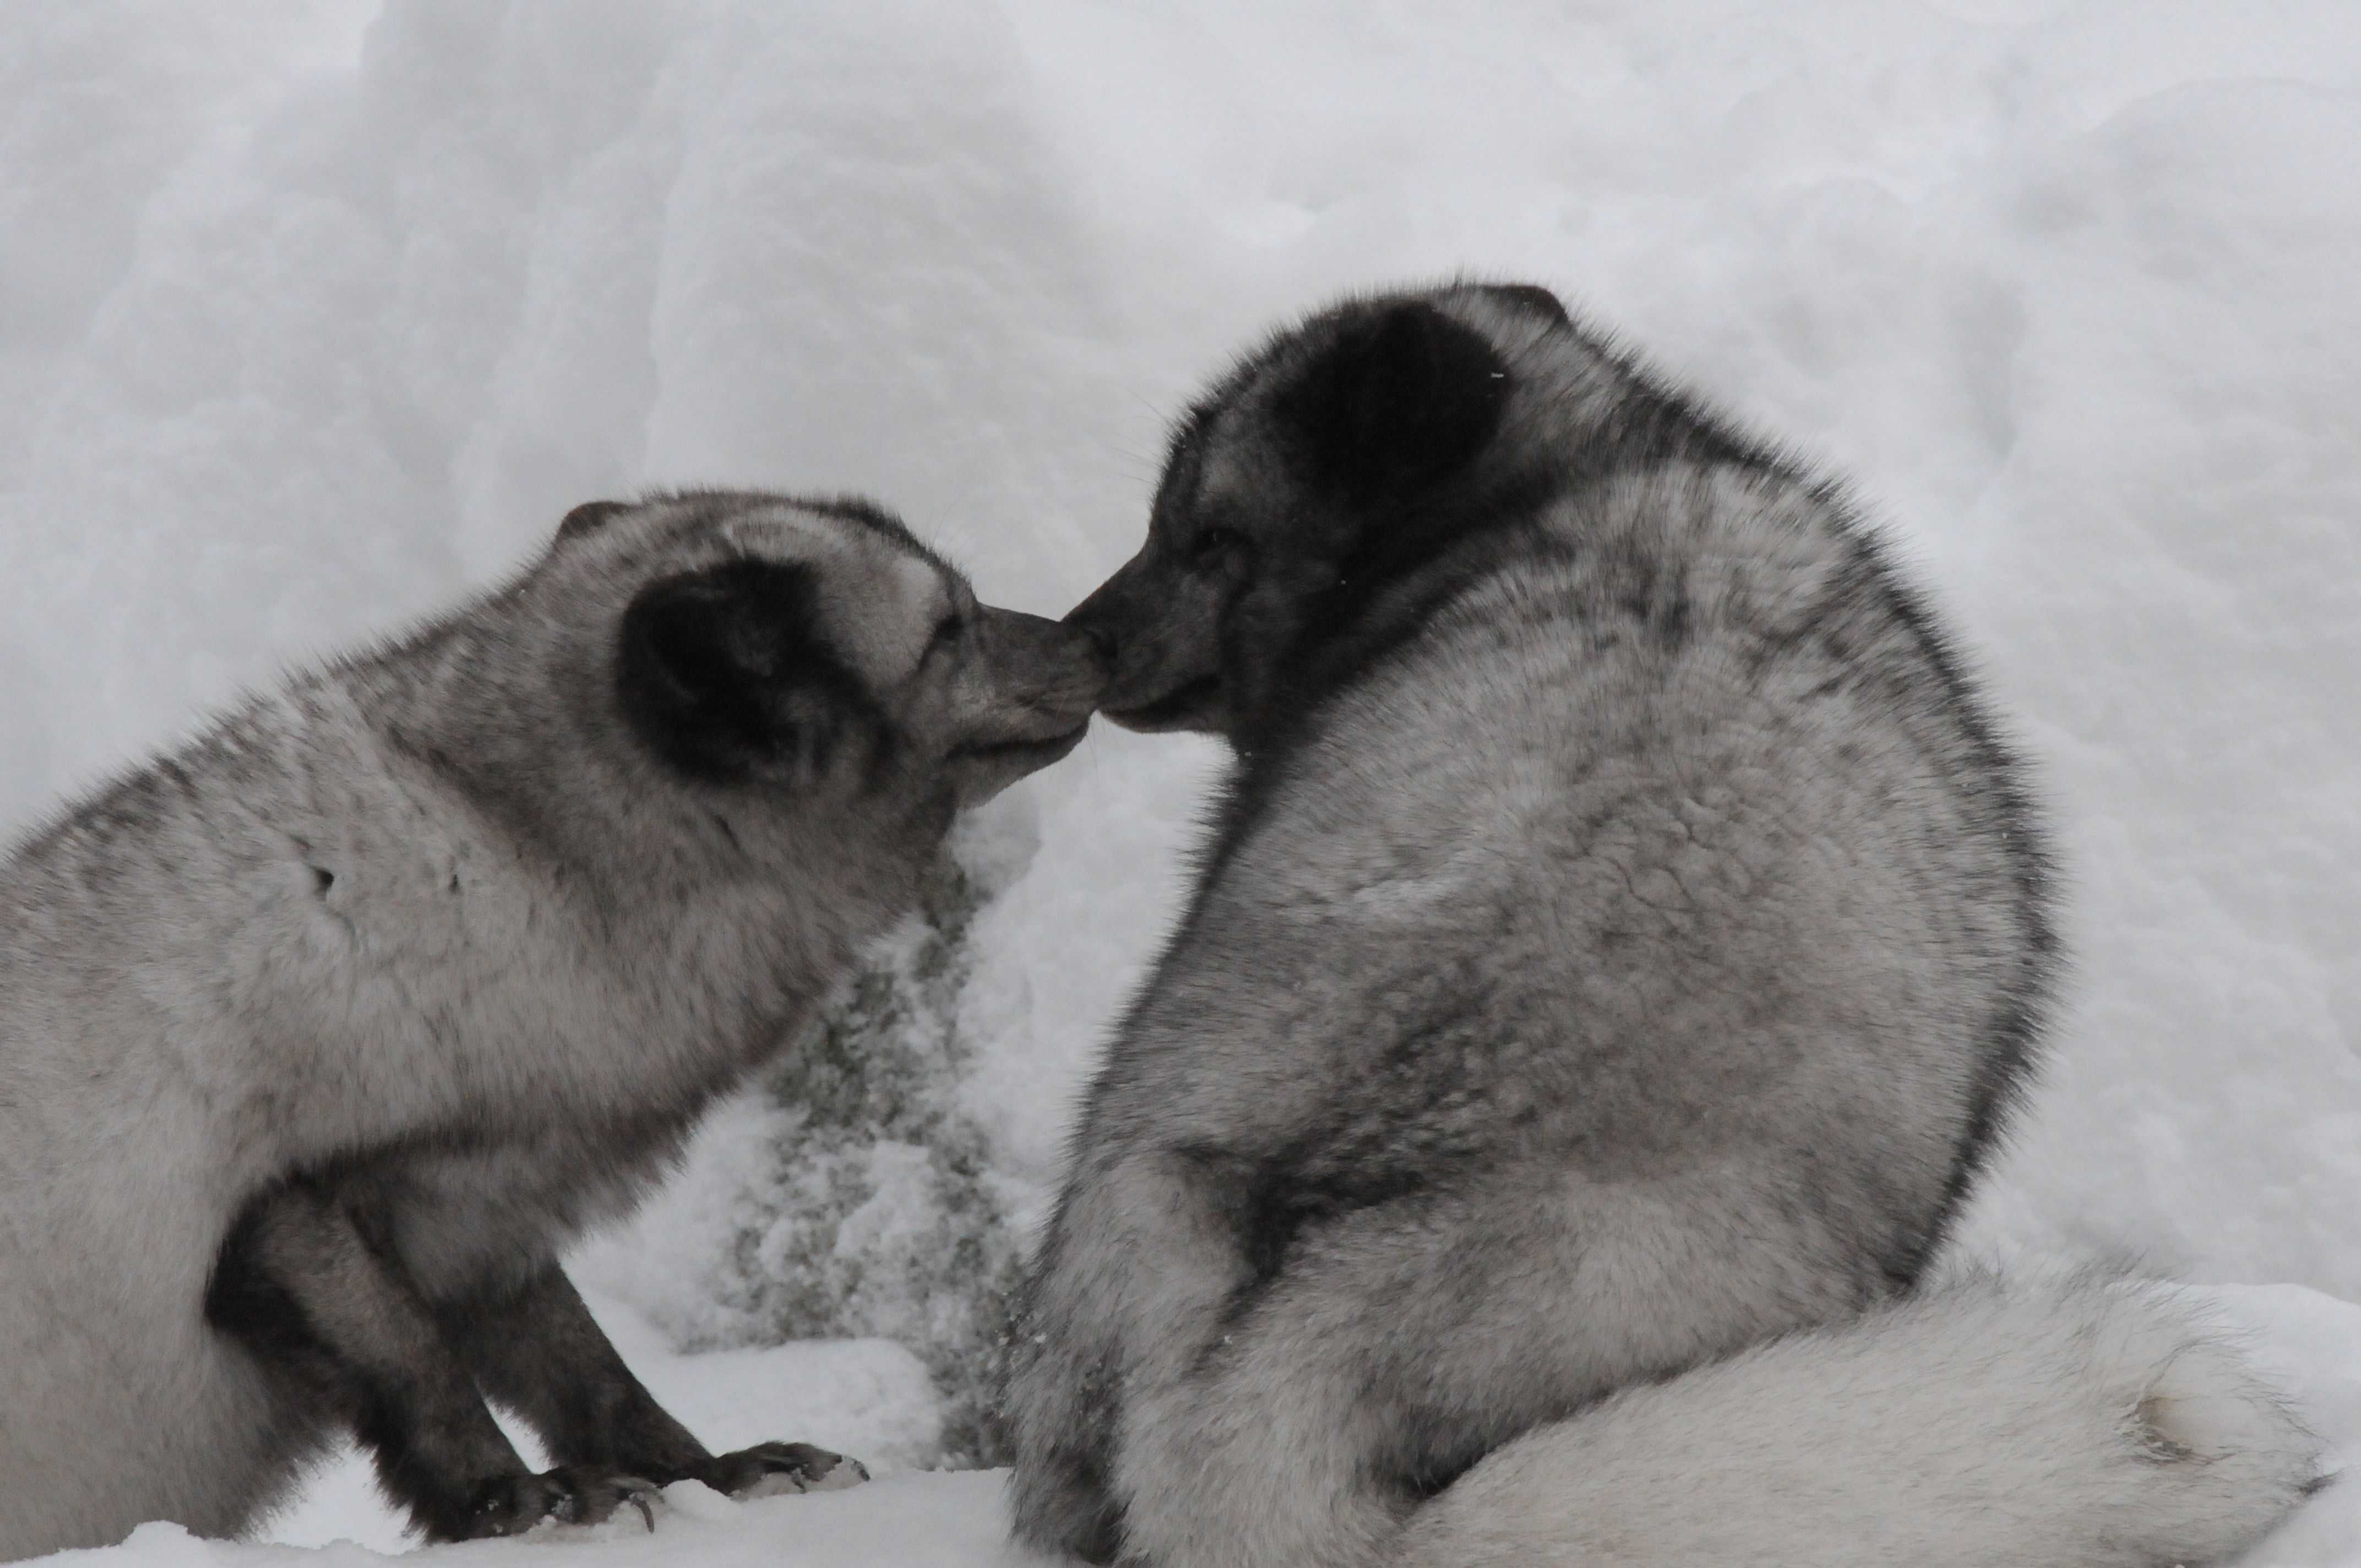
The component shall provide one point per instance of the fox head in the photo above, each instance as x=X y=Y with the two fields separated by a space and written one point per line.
x=1312 y=481
x=762 y=658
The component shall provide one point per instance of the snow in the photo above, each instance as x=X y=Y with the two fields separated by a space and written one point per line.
x=910 y=1520
x=313 y=314
x=958 y=1519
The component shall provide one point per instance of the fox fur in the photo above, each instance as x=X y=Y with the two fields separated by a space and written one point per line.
x=328 y=1029
x=1620 y=945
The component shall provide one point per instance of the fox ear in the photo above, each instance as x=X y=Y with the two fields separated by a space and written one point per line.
x=1531 y=297
x=590 y=518
x=724 y=673
x=1403 y=398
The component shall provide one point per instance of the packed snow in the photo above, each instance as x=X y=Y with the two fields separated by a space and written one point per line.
x=314 y=314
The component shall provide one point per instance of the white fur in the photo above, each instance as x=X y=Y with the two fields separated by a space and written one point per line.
x=2064 y=1426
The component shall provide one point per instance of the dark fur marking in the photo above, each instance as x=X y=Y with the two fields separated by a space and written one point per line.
x=244 y=1302
x=420 y=1412
x=1400 y=401
x=723 y=672
x=1425 y=528
x=389 y=1426
x=536 y=1349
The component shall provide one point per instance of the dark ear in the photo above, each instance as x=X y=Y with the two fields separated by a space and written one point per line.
x=1401 y=398
x=1531 y=297
x=725 y=674
x=590 y=518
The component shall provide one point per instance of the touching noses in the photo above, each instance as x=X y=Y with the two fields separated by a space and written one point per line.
x=1102 y=641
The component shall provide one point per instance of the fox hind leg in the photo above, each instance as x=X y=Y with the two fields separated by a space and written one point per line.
x=1401 y=1342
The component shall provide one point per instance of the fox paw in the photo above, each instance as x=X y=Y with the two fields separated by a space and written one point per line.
x=570 y=1494
x=768 y=1469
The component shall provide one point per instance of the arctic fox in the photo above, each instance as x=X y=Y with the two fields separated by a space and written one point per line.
x=1623 y=940
x=327 y=1030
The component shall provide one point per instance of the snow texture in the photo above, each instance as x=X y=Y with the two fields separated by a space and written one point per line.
x=314 y=314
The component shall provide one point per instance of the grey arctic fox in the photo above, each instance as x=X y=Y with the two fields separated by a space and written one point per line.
x=1621 y=941
x=325 y=1031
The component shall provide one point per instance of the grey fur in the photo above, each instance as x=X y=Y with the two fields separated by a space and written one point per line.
x=1622 y=938
x=328 y=1029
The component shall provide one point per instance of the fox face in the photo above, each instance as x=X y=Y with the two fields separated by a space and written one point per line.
x=1324 y=470
x=781 y=644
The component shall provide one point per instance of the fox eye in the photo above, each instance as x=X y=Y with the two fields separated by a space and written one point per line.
x=1209 y=547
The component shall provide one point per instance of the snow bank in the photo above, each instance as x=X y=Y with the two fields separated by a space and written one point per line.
x=312 y=315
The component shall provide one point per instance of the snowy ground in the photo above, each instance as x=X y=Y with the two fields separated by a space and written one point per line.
x=912 y=1519
x=862 y=1396
x=311 y=316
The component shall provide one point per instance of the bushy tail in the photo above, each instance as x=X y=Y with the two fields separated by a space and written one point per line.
x=1982 y=1426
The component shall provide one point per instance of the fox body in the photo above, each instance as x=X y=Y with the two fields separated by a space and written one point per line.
x=1621 y=940
x=327 y=1030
